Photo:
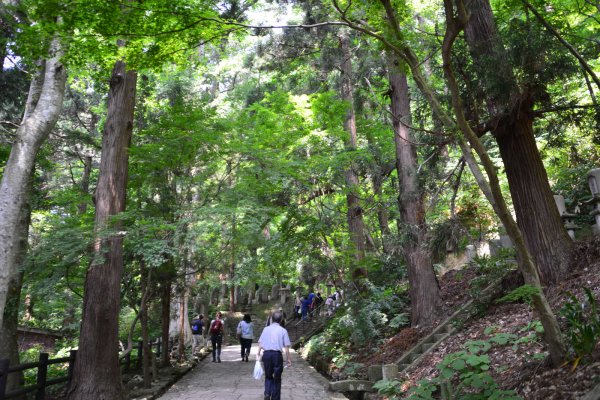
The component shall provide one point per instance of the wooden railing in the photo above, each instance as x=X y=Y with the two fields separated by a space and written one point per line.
x=42 y=381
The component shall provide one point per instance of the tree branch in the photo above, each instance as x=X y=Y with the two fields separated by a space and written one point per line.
x=569 y=47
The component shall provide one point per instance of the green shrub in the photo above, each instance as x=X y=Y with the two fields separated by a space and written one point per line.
x=583 y=324
x=523 y=293
x=462 y=375
x=366 y=320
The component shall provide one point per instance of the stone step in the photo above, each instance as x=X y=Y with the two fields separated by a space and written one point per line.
x=402 y=367
x=414 y=356
x=439 y=336
x=351 y=386
x=425 y=346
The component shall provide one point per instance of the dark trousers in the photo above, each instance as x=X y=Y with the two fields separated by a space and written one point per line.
x=246 y=345
x=216 y=341
x=273 y=362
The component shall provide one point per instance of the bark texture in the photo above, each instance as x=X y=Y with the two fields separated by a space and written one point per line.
x=552 y=333
x=510 y=107
x=44 y=105
x=97 y=373
x=146 y=350
x=424 y=287
x=356 y=224
x=165 y=317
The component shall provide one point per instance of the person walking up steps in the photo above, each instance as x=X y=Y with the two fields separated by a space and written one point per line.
x=245 y=332
x=216 y=331
x=274 y=340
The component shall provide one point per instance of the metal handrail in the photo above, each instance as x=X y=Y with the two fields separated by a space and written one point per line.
x=317 y=310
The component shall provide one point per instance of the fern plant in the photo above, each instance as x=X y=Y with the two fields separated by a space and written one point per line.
x=583 y=322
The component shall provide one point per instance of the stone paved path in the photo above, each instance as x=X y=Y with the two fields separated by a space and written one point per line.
x=232 y=380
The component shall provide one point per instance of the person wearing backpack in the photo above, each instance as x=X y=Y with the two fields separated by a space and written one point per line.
x=197 y=331
x=216 y=331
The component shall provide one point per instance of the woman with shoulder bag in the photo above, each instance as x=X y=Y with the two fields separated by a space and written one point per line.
x=245 y=333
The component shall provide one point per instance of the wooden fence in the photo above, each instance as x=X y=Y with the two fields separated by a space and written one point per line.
x=42 y=382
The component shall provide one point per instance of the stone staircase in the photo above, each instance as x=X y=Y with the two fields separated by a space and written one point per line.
x=300 y=331
x=430 y=342
x=356 y=388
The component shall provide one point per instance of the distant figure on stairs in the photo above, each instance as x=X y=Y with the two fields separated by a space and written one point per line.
x=329 y=304
x=305 y=306
x=298 y=307
x=311 y=304
x=318 y=300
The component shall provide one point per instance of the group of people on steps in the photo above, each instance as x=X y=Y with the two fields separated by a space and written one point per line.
x=305 y=307
x=273 y=344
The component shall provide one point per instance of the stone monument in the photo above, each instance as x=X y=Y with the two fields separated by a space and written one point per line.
x=565 y=216
x=594 y=183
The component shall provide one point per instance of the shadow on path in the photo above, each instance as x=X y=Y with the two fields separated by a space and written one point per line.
x=232 y=380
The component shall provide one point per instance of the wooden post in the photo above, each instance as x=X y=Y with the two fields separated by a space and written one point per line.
x=3 y=376
x=72 y=358
x=41 y=376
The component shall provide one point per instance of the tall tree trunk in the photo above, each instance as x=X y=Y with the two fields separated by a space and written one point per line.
x=9 y=347
x=424 y=287
x=84 y=184
x=165 y=318
x=492 y=189
x=182 y=318
x=97 y=373
x=511 y=108
x=552 y=333
x=355 y=218
x=41 y=113
x=232 y=264
x=146 y=350
x=232 y=287
x=383 y=216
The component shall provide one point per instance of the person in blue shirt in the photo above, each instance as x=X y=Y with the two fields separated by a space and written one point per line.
x=274 y=341
x=197 y=333
x=305 y=306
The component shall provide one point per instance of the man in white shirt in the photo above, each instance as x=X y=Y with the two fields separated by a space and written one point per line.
x=274 y=340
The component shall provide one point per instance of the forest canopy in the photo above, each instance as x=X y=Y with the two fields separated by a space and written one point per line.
x=156 y=152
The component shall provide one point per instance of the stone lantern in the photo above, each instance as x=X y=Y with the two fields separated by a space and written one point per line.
x=284 y=294
x=594 y=183
x=568 y=218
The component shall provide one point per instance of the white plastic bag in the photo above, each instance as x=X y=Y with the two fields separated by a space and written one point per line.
x=258 y=370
